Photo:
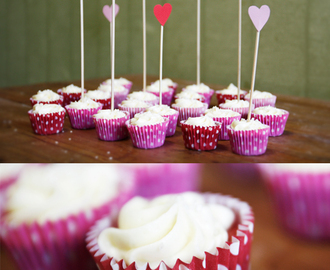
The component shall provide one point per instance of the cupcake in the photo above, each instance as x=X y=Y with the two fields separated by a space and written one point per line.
x=188 y=94
x=167 y=82
x=200 y=133
x=202 y=89
x=49 y=209
x=260 y=99
x=133 y=106
x=70 y=93
x=121 y=81
x=144 y=96
x=100 y=97
x=248 y=138
x=179 y=231
x=110 y=125
x=120 y=93
x=229 y=93
x=46 y=97
x=300 y=194
x=225 y=117
x=241 y=106
x=169 y=113
x=189 y=108
x=47 y=119
x=147 y=130
x=167 y=92
x=273 y=117
x=81 y=113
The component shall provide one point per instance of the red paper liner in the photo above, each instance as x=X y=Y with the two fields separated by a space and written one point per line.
x=69 y=97
x=244 y=111
x=173 y=120
x=47 y=124
x=225 y=121
x=82 y=118
x=132 y=110
x=261 y=102
x=200 y=138
x=167 y=96
x=221 y=98
x=106 y=102
x=275 y=122
x=248 y=142
x=112 y=129
x=235 y=255
x=185 y=113
x=149 y=136
x=58 y=101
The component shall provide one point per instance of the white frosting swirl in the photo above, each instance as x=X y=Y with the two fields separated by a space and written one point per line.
x=202 y=88
x=167 y=228
x=269 y=110
x=119 y=81
x=109 y=114
x=235 y=104
x=259 y=94
x=71 y=89
x=243 y=124
x=188 y=94
x=146 y=118
x=155 y=87
x=217 y=112
x=144 y=96
x=46 y=95
x=202 y=121
x=231 y=90
x=98 y=94
x=134 y=103
x=47 y=108
x=107 y=88
x=188 y=103
x=84 y=103
x=167 y=82
x=162 y=110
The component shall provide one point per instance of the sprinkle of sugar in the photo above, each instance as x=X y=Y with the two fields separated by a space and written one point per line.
x=70 y=131
x=56 y=142
x=96 y=157
x=110 y=158
x=69 y=139
x=108 y=152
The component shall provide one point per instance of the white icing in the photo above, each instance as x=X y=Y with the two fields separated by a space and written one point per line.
x=10 y=170
x=231 y=90
x=109 y=114
x=235 y=104
x=167 y=228
x=188 y=103
x=134 y=103
x=46 y=95
x=188 y=94
x=146 y=118
x=71 y=89
x=243 y=124
x=119 y=81
x=84 y=103
x=259 y=94
x=144 y=96
x=202 y=121
x=107 y=88
x=162 y=110
x=268 y=110
x=167 y=82
x=47 y=108
x=201 y=88
x=217 y=112
x=98 y=94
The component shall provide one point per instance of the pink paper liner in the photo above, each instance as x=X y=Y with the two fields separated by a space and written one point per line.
x=235 y=255
x=58 y=101
x=120 y=97
x=82 y=118
x=275 y=122
x=248 y=142
x=167 y=96
x=46 y=124
x=132 y=111
x=105 y=102
x=301 y=201
x=185 y=113
x=69 y=97
x=58 y=244
x=261 y=102
x=200 y=138
x=173 y=120
x=112 y=129
x=148 y=137
x=207 y=95
x=225 y=121
x=221 y=98
x=244 y=111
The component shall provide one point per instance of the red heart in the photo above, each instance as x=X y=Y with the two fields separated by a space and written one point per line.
x=162 y=13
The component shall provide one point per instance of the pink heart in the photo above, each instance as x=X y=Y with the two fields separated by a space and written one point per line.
x=259 y=17
x=162 y=13
x=107 y=11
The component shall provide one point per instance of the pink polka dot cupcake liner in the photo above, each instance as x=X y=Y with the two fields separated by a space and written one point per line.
x=167 y=96
x=244 y=111
x=235 y=255
x=58 y=101
x=221 y=98
x=69 y=97
x=112 y=129
x=105 y=102
x=132 y=111
x=208 y=96
x=200 y=138
x=301 y=200
x=275 y=122
x=82 y=118
x=185 y=113
x=225 y=121
x=120 y=97
x=47 y=124
x=149 y=136
x=173 y=120
x=261 y=102
x=248 y=142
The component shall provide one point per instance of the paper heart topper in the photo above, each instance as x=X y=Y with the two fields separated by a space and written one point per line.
x=162 y=13
x=259 y=17
x=107 y=11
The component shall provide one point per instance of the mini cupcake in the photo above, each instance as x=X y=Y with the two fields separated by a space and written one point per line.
x=202 y=89
x=133 y=106
x=144 y=96
x=81 y=113
x=184 y=231
x=121 y=81
x=188 y=108
x=301 y=197
x=167 y=92
x=46 y=97
x=188 y=94
x=147 y=130
x=225 y=117
x=273 y=117
x=241 y=106
x=110 y=125
x=169 y=113
x=70 y=93
x=229 y=93
x=200 y=133
x=100 y=97
x=167 y=82
x=47 y=119
x=248 y=138
x=50 y=208
x=260 y=99
x=120 y=93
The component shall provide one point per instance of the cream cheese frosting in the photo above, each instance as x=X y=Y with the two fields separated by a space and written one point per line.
x=47 y=108
x=46 y=95
x=107 y=88
x=134 y=103
x=188 y=103
x=119 y=81
x=146 y=118
x=231 y=89
x=269 y=110
x=155 y=87
x=71 y=89
x=170 y=227
x=189 y=94
x=167 y=82
x=98 y=94
x=84 y=103
x=109 y=114
x=235 y=103
x=202 y=121
x=217 y=112
x=243 y=124
x=259 y=94
x=201 y=88
x=162 y=110
x=144 y=96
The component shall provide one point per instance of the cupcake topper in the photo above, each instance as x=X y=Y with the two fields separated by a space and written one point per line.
x=259 y=17
x=198 y=41
x=144 y=45
x=162 y=13
x=239 y=48
x=82 y=46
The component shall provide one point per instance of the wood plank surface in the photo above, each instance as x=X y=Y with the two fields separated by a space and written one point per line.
x=305 y=139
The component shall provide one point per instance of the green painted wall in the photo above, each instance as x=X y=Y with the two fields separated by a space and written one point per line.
x=40 y=41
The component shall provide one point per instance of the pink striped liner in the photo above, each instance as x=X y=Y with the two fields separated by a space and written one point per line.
x=185 y=113
x=225 y=121
x=261 y=102
x=47 y=124
x=82 y=118
x=132 y=110
x=242 y=110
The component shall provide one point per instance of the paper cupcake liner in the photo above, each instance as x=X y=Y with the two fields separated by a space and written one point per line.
x=58 y=101
x=260 y=102
x=149 y=136
x=112 y=129
x=132 y=111
x=248 y=142
x=207 y=95
x=47 y=124
x=105 y=102
x=185 y=113
x=69 y=97
x=120 y=97
x=82 y=118
x=167 y=96
x=221 y=98
x=225 y=121
x=233 y=256
x=275 y=122
x=200 y=138
x=244 y=111
x=173 y=120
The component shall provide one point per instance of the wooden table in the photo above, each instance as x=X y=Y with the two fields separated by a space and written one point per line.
x=306 y=137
